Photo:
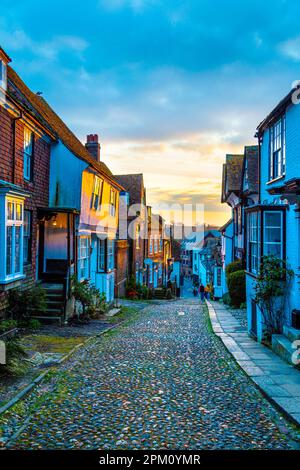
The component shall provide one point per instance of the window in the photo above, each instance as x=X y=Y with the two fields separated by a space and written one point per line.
x=97 y=193
x=155 y=245
x=254 y=242
x=151 y=246
x=110 y=255
x=160 y=245
x=277 y=149
x=273 y=234
x=13 y=236
x=113 y=202
x=160 y=270
x=150 y=274
x=28 y=153
x=101 y=251
x=27 y=237
x=265 y=235
x=137 y=273
x=83 y=258
x=219 y=277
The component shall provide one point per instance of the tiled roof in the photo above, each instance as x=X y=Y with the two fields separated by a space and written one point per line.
x=251 y=157
x=134 y=185
x=232 y=175
x=43 y=112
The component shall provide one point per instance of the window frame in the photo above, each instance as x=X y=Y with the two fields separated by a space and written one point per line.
x=110 y=263
x=101 y=255
x=277 y=149
x=96 y=199
x=28 y=155
x=112 y=202
x=27 y=236
x=261 y=210
x=84 y=259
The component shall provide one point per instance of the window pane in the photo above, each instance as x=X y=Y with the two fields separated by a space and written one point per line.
x=272 y=219
x=9 y=250
x=273 y=235
x=272 y=249
x=10 y=211
x=18 y=211
x=17 y=249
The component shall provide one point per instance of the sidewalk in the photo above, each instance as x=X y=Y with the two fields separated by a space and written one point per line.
x=278 y=381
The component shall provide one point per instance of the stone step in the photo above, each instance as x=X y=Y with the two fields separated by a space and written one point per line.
x=283 y=347
x=291 y=333
x=52 y=286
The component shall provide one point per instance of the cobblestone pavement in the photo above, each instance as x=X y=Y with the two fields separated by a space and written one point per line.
x=164 y=382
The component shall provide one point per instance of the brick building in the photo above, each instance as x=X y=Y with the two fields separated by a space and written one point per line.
x=24 y=182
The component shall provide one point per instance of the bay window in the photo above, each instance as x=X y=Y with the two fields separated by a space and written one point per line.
x=11 y=239
x=265 y=235
x=113 y=202
x=277 y=149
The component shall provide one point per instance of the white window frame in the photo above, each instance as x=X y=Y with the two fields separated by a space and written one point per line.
x=253 y=259
x=280 y=227
x=110 y=255
x=83 y=257
x=28 y=153
x=97 y=193
x=15 y=223
x=277 y=159
x=112 y=202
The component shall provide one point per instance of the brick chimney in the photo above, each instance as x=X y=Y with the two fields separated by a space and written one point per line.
x=93 y=146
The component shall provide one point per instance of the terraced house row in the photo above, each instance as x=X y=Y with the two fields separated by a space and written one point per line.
x=262 y=187
x=60 y=206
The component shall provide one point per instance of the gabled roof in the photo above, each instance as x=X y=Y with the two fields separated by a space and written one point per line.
x=252 y=162
x=232 y=175
x=225 y=226
x=276 y=112
x=134 y=185
x=42 y=111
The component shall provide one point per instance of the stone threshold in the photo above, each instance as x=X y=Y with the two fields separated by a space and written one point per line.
x=278 y=381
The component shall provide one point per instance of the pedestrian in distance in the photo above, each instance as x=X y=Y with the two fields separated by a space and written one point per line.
x=202 y=292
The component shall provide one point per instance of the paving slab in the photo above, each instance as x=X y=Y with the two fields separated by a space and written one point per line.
x=279 y=381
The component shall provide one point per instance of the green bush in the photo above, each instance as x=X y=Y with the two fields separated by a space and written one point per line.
x=236 y=282
x=7 y=325
x=226 y=299
x=23 y=303
x=15 y=359
x=236 y=265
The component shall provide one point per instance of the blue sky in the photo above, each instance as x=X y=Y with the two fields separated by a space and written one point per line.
x=170 y=86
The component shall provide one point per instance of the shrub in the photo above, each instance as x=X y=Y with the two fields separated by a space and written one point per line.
x=226 y=299
x=92 y=300
x=236 y=265
x=272 y=292
x=236 y=282
x=23 y=303
x=7 y=325
x=15 y=359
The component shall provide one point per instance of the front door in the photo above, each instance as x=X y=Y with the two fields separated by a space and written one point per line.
x=253 y=318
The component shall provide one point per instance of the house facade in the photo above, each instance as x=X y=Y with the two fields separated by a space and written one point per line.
x=60 y=202
x=158 y=252
x=25 y=145
x=273 y=223
x=137 y=224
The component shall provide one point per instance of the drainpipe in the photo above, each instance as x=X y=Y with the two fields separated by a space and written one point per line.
x=259 y=166
x=14 y=147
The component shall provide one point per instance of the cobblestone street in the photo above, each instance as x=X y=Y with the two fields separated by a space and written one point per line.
x=162 y=382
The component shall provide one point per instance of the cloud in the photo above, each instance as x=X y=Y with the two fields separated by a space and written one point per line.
x=135 y=5
x=291 y=48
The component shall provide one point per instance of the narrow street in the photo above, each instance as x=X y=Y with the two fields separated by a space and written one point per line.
x=162 y=382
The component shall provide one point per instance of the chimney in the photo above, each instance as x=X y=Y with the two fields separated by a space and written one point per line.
x=93 y=147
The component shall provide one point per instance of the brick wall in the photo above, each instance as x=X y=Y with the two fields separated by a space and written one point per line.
x=38 y=188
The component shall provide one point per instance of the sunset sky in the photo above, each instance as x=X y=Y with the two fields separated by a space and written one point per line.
x=170 y=86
